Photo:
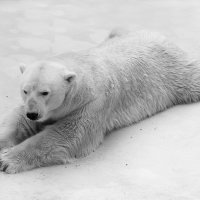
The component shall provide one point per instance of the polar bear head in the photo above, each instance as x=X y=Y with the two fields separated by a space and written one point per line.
x=44 y=86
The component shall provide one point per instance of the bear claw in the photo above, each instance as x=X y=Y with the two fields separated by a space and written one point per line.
x=4 y=168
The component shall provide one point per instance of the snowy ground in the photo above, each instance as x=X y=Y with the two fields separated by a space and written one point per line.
x=157 y=159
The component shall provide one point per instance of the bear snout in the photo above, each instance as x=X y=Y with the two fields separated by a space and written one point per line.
x=32 y=116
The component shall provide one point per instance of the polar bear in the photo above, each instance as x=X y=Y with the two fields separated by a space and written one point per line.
x=72 y=100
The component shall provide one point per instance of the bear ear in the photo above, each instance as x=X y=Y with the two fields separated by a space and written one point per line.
x=22 y=67
x=69 y=76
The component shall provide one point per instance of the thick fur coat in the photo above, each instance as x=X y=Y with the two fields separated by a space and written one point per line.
x=87 y=94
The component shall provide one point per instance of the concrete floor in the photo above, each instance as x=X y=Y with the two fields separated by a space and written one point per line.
x=157 y=159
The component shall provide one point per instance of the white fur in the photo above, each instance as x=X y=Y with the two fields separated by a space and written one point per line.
x=120 y=82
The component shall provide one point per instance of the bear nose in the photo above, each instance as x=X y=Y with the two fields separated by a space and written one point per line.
x=32 y=116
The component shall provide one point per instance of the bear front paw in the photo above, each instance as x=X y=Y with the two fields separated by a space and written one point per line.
x=10 y=162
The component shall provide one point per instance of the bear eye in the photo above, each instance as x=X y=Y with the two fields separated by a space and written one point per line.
x=45 y=93
x=25 y=92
